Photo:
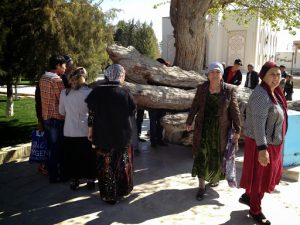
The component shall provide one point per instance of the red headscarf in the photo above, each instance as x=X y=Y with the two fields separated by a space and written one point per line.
x=277 y=92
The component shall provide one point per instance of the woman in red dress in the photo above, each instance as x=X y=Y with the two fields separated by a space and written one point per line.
x=265 y=129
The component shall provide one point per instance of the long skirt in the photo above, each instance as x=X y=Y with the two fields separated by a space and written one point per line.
x=80 y=158
x=115 y=173
x=256 y=177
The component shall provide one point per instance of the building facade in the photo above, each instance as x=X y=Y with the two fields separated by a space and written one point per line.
x=227 y=41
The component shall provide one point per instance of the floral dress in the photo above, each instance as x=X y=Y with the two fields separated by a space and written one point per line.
x=207 y=161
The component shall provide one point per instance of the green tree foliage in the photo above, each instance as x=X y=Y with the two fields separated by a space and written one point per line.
x=32 y=30
x=139 y=35
x=85 y=35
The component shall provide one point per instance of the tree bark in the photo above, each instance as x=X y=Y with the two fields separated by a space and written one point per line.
x=188 y=19
x=10 y=101
x=143 y=70
x=159 y=97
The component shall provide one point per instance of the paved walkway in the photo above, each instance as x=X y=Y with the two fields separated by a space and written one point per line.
x=164 y=193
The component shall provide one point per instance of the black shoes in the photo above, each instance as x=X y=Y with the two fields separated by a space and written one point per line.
x=153 y=145
x=260 y=218
x=111 y=202
x=142 y=140
x=244 y=199
x=162 y=143
x=90 y=184
x=200 y=194
x=74 y=185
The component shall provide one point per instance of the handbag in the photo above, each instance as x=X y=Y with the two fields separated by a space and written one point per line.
x=39 y=147
x=228 y=163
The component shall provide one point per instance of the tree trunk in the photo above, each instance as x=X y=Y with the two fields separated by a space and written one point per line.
x=144 y=70
x=188 y=19
x=160 y=97
x=10 y=101
x=16 y=91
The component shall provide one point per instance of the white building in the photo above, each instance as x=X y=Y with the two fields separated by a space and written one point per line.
x=291 y=59
x=227 y=41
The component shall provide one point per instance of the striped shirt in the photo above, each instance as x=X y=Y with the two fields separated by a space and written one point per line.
x=51 y=85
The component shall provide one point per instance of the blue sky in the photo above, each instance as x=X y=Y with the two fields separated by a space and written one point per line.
x=143 y=10
x=140 y=10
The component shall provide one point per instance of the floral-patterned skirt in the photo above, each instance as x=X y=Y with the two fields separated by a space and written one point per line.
x=115 y=173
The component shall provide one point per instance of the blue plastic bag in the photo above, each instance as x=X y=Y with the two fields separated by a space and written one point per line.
x=39 y=147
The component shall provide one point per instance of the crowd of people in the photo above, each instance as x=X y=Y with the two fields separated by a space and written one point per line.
x=91 y=129
x=88 y=139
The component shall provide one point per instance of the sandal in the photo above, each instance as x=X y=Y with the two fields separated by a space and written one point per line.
x=244 y=199
x=90 y=184
x=213 y=184
x=74 y=185
x=260 y=218
x=200 y=194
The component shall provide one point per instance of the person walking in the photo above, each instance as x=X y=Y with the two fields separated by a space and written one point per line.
x=289 y=87
x=110 y=108
x=51 y=86
x=283 y=71
x=232 y=74
x=252 y=78
x=216 y=110
x=265 y=128
x=80 y=159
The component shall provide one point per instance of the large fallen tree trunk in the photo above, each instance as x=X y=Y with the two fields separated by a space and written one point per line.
x=160 y=97
x=144 y=70
x=157 y=86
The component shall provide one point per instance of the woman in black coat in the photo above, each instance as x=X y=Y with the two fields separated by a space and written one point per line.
x=110 y=108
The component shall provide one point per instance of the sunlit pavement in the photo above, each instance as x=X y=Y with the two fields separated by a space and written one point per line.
x=164 y=193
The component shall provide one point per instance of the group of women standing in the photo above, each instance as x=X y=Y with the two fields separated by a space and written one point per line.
x=99 y=117
x=216 y=112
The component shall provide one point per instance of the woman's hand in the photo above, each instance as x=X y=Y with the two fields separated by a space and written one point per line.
x=236 y=137
x=40 y=126
x=188 y=128
x=263 y=157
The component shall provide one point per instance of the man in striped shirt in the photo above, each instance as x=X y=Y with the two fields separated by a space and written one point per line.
x=51 y=85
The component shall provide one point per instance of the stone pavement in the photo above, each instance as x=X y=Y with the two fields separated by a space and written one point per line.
x=164 y=193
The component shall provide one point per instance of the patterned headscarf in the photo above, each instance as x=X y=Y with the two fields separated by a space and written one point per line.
x=114 y=72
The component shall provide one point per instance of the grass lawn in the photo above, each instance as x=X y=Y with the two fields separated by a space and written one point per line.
x=17 y=129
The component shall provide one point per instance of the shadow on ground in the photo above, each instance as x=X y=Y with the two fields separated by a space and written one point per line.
x=28 y=198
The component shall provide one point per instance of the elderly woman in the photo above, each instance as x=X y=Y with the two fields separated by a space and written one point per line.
x=79 y=156
x=216 y=109
x=265 y=129
x=111 y=107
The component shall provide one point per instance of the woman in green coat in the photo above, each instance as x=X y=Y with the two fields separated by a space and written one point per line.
x=215 y=110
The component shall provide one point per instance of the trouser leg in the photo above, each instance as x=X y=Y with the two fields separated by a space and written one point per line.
x=255 y=202
x=139 y=120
